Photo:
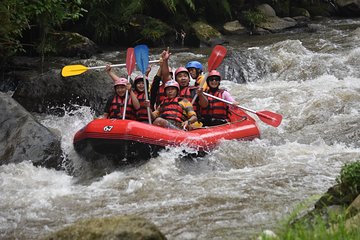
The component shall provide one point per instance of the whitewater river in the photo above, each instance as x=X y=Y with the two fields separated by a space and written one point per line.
x=311 y=78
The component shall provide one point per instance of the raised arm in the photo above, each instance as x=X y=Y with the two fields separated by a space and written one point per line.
x=165 y=55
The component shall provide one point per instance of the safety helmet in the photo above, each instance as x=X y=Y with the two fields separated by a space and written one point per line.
x=213 y=73
x=181 y=69
x=140 y=77
x=194 y=64
x=172 y=83
x=120 y=81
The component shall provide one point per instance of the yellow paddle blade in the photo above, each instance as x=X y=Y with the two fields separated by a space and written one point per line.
x=73 y=70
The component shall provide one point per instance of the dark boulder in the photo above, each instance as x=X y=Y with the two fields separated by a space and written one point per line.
x=23 y=138
x=45 y=92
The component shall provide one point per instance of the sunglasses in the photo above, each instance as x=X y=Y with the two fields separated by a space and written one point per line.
x=214 y=79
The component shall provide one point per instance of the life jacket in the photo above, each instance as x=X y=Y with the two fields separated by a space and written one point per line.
x=171 y=109
x=160 y=95
x=198 y=81
x=117 y=108
x=189 y=93
x=216 y=109
x=141 y=113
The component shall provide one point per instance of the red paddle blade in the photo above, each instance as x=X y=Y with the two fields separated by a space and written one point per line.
x=216 y=57
x=130 y=60
x=270 y=118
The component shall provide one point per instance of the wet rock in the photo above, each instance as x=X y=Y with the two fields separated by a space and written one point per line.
x=348 y=8
x=122 y=228
x=69 y=44
x=23 y=138
x=234 y=27
x=354 y=207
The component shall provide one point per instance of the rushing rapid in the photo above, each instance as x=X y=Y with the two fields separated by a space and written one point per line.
x=241 y=188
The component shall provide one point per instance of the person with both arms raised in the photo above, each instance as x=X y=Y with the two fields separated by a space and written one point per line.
x=217 y=112
x=115 y=105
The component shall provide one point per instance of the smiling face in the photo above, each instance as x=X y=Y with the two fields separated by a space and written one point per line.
x=120 y=90
x=171 y=92
x=183 y=79
x=213 y=82
x=193 y=72
x=140 y=87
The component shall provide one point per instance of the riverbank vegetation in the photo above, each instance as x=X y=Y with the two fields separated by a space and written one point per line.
x=26 y=24
x=336 y=214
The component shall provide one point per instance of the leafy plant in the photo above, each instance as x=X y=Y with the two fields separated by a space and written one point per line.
x=350 y=176
x=44 y=15
x=253 y=18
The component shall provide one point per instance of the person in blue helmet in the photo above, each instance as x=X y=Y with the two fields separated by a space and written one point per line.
x=195 y=69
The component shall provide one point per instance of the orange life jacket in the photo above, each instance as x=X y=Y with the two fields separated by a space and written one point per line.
x=171 y=109
x=216 y=109
x=117 y=108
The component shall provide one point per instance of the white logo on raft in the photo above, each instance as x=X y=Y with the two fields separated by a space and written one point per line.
x=108 y=128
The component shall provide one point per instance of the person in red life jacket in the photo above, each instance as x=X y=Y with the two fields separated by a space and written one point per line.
x=217 y=112
x=139 y=90
x=195 y=69
x=182 y=76
x=115 y=105
x=174 y=112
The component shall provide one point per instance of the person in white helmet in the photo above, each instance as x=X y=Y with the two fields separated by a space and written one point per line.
x=114 y=107
x=174 y=112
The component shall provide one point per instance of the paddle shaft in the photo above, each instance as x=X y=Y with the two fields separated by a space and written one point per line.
x=126 y=100
x=118 y=65
x=271 y=118
x=147 y=99
x=225 y=101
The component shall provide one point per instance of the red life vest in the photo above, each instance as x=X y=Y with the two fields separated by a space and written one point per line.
x=160 y=95
x=117 y=108
x=189 y=93
x=171 y=109
x=216 y=109
x=141 y=113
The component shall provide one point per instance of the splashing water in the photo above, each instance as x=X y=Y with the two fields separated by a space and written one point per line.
x=240 y=188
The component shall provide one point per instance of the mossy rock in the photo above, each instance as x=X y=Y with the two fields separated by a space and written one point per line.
x=120 y=227
x=69 y=44
x=207 y=34
x=299 y=12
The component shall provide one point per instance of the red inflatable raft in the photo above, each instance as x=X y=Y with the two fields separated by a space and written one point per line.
x=132 y=139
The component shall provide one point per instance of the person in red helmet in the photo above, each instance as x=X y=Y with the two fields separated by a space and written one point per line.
x=139 y=90
x=174 y=112
x=114 y=107
x=217 y=112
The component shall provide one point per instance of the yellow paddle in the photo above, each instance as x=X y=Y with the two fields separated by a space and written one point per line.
x=73 y=70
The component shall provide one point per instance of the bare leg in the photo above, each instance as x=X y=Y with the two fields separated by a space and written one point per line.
x=163 y=123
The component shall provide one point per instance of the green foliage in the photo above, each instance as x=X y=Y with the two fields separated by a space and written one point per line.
x=154 y=29
x=350 y=176
x=15 y=19
x=319 y=229
x=44 y=15
x=253 y=18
